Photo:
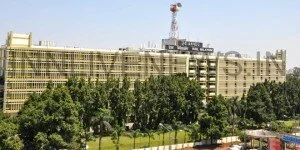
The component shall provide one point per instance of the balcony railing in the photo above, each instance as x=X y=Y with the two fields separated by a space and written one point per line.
x=192 y=71
x=202 y=79
x=192 y=64
x=203 y=64
x=212 y=94
x=212 y=72
x=203 y=72
x=212 y=64
x=212 y=79
x=212 y=86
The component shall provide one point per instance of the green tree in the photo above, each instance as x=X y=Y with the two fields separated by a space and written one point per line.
x=9 y=137
x=139 y=102
x=194 y=132
x=216 y=117
x=135 y=134
x=121 y=101
x=194 y=96
x=186 y=130
x=116 y=134
x=101 y=125
x=176 y=127
x=150 y=135
x=232 y=106
x=259 y=104
x=53 y=116
x=41 y=141
x=164 y=128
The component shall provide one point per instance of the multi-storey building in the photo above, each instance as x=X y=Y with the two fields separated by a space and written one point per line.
x=26 y=68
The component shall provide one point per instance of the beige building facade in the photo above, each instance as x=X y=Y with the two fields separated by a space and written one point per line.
x=26 y=68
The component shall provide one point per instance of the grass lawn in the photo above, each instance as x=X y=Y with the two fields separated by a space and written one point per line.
x=141 y=142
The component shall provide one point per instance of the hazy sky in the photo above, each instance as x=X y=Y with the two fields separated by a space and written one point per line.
x=244 y=26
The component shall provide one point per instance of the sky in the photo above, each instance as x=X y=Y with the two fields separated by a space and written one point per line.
x=231 y=25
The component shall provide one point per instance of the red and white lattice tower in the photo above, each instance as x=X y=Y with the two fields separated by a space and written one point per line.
x=174 y=26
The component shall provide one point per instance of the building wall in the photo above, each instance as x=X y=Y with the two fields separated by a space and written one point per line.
x=237 y=75
x=28 y=68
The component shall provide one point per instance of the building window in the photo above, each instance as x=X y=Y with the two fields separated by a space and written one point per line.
x=152 y=60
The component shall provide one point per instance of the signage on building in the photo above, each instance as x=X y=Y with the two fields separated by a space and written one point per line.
x=189 y=48
x=185 y=43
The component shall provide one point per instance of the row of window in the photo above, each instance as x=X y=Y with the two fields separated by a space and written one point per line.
x=14 y=106
x=245 y=71
x=94 y=56
x=98 y=75
x=254 y=64
x=96 y=66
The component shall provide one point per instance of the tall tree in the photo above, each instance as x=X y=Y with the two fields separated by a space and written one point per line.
x=164 y=128
x=116 y=134
x=217 y=116
x=150 y=135
x=259 y=104
x=194 y=132
x=135 y=134
x=52 y=115
x=121 y=102
x=9 y=137
x=194 y=96
x=176 y=127
x=101 y=124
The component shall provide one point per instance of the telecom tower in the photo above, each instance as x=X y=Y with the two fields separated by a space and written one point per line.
x=174 y=26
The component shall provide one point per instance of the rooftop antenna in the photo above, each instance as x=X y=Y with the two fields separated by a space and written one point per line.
x=174 y=8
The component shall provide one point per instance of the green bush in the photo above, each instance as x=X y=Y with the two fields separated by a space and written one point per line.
x=243 y=137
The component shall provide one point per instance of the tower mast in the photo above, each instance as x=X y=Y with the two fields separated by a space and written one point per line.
x=174 y=8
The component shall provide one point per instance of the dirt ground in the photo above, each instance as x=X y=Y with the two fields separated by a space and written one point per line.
x=212 y=147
